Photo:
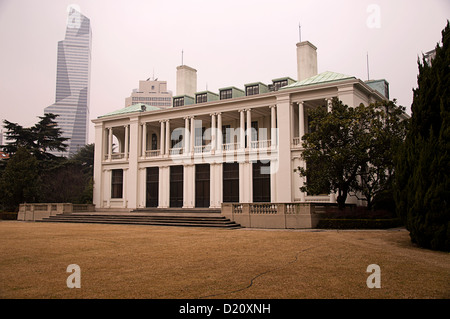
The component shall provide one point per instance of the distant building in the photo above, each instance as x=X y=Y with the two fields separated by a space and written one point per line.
x=72 y=82
x=152 y=93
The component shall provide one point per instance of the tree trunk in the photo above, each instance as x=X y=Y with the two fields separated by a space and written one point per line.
x=342 y=197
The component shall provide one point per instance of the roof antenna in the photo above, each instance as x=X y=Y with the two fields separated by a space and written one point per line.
x=300 y=32
x=182 y=53
x=368 y=77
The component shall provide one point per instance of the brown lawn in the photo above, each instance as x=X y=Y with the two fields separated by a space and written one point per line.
x=119 y=261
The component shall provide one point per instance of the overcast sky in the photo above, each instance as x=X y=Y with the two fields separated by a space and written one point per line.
x=230 y=43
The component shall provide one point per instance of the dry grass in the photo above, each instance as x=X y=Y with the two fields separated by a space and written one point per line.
x=119 y=261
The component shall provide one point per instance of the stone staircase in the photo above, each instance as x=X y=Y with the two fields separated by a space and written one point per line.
x=156 y=217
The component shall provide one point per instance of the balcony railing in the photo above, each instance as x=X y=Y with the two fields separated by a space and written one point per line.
x=260 y=144
x=198 y=149
x=176 y=151
x=230 y=146
x=152 y=153
x=117 y=156
x=296 y=142
x=202 y=149
x=114 y=156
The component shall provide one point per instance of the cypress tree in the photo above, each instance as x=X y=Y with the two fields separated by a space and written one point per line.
x=423 y=164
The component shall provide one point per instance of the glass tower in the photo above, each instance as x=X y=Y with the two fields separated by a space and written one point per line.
x=72 y=81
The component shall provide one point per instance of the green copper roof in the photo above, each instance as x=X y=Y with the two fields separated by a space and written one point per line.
x=132 y=109
x=323 y=77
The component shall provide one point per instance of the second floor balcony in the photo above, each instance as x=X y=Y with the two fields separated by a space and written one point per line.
x=212 y=134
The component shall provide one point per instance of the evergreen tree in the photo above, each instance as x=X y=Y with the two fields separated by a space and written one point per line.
x=48 y=137
x=40 y=139
x=20 y=180
x=423 y=165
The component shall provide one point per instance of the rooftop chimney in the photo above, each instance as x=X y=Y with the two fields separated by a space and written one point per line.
x=186 y=80
x=306 y=60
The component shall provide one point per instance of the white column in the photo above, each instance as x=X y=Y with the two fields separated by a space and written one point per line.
x=301 y=120
x=105 y=143
x=219 y=132
x=242 y=130
x=161 y=138
x=329 y=104
x=213 y=132
x=132 y=173
x=273 y=125
x=126 y=141
x=292 y=121
x=168 y=146
x=99 y=157
x=186 y=137
x=125 y=187
x=249 y=128
x=142 y=187
x=144 y=139
x=192 y=134
x=284 y=174
x=110 y=143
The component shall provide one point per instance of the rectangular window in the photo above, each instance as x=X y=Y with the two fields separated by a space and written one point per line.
x=226 y=134
x=201 y=98
x=117 y=183
x=279 y=84
x=178 y=102
x=252 y=90
x=226 y=94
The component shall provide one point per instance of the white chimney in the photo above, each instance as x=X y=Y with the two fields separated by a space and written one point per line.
x=186 y=80
x=306 y=60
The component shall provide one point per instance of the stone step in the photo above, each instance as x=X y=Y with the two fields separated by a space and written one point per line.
x=144 y=219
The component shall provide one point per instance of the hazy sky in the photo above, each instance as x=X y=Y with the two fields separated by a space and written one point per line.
x=230 y=43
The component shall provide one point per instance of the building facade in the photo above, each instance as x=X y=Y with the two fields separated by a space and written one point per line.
x=73 y=81
x=152 y=93
x=241 y=146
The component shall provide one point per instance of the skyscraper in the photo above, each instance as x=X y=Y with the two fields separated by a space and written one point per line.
x=72 y=81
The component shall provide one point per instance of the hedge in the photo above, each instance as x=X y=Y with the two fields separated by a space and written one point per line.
x=8 y=216
x=341 y=223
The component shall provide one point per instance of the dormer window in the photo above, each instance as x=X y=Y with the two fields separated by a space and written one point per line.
x=179 y=101
x=226 y=94
x=201 y=98
x=252 y=90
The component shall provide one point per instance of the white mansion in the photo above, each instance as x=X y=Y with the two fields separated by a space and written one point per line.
x=240 y=145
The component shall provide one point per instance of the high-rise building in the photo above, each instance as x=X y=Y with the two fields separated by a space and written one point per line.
x=72 y=81
x=151 y=92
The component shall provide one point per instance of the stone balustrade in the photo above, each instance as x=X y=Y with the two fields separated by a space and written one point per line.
x=274 y=215
x=39 y=211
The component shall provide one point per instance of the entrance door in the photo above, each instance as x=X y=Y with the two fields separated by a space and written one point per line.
x=202 y=176
x=261 y=182
x=176 y=186
x=152 y=187
x=230 y=182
